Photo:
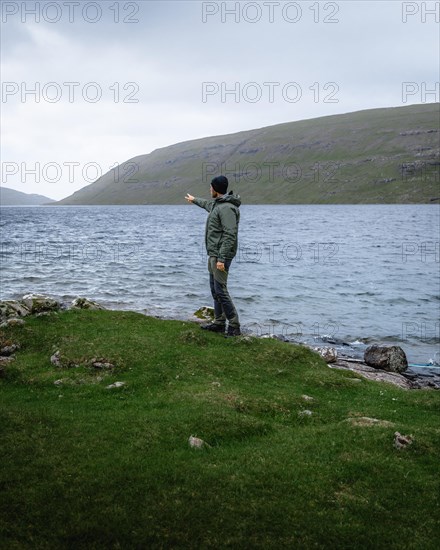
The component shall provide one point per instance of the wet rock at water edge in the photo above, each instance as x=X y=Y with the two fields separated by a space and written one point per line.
x=330 y=355
x=205 y=313
x=37 y=303
x=85 y=303
x=388 y=358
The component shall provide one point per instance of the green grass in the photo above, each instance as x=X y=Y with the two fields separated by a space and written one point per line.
x=83 y=466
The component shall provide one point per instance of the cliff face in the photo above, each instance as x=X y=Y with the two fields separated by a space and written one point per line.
x=376 y=156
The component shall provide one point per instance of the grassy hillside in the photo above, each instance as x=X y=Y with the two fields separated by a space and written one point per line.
x=87 y=466
x=376 y=156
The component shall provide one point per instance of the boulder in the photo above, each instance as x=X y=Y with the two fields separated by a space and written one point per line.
x=37 y=303
x=388 y=358
x=12 y=308
x=330 y=355
x=85 y=303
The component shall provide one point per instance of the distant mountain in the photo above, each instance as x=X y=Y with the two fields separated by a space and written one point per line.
x=375 y=156
x=11 y=197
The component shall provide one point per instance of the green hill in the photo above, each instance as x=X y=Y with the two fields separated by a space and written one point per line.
x=375 y=156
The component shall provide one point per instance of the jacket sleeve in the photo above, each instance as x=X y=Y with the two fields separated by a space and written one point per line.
x=203 y=203
x=229 y=221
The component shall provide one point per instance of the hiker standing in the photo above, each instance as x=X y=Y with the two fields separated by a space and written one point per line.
x=221 y=245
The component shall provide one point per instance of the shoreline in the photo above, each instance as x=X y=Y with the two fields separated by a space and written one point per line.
x=11 y=310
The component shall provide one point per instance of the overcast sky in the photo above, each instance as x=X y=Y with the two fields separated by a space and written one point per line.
x=113 y=80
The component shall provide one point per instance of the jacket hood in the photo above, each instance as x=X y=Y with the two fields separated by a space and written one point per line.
x=230 y=197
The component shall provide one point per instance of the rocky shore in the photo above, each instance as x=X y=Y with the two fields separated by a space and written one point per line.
x=381 y=363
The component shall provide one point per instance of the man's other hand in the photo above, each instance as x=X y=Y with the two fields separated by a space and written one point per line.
x=220 y=266
x=189 y=197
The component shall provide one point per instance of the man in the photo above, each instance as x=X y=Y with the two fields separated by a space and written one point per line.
x=221 y=245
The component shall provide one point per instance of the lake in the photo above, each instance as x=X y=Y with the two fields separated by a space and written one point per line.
x=351 y=274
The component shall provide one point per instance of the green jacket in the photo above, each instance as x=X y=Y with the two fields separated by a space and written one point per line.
x=222 y=225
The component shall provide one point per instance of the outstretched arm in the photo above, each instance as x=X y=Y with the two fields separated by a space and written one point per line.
x=203 y=203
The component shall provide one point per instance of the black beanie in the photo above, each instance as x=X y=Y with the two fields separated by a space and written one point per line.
x=220 y=184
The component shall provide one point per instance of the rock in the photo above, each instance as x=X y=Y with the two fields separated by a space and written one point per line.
x=12 y=322
x=85 y=303
x=388 y=358
x=9 y=350
x=367 y=421
x=197 y=443
x=55 y=359
x=37 y=303
x=12 y=308
x=401 y=441
x=116 y=385
x=102 y=364
x=306 y=397
x=373 y=374
x=205 y=313
x=305 y=412
x=330 y=355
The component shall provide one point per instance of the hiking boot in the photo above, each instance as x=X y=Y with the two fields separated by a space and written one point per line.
x=213 y=327
x=233 y=331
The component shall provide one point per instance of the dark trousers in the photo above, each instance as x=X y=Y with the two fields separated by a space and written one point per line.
x=223 y=305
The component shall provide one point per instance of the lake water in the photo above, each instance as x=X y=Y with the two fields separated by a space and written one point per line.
x=356 y=274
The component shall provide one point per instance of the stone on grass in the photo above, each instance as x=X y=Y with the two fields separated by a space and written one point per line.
x=102 y=364
x=55 y=359
x=5 y=351
x=12 y=308
x=305 y=412
x=197 y=443
x=116 y=385
x=12 y=322
x=388 y=358
x=401 y=441
x=330 y=355
x=307 y=397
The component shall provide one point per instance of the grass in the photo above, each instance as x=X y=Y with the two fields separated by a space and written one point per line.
x=89 y=467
